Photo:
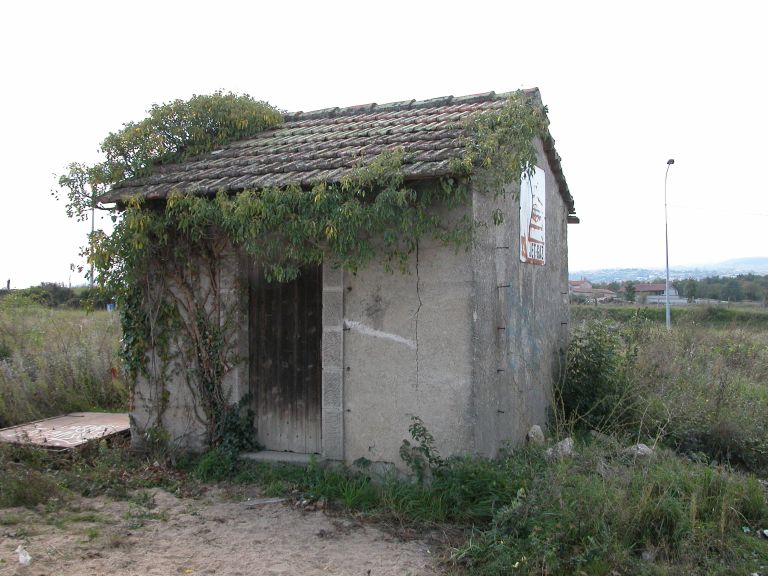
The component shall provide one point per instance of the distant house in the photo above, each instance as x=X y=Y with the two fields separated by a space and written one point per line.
x=654 y=293
x=579 y=286
x=337 y=363
x=583 y=290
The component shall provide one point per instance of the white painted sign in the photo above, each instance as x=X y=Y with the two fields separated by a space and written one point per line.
x=532 y=212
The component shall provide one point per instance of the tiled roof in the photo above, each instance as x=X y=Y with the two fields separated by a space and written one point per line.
x=326 y=145
x=656 y=287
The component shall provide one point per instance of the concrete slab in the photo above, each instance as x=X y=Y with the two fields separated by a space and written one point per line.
x=69 y=431
x=273 y=457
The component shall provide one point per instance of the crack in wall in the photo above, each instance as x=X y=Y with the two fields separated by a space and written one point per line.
x=418 y=309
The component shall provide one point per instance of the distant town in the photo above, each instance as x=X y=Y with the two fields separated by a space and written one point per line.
x=734 y=281
x=730 y=269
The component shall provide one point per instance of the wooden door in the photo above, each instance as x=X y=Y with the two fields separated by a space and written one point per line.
x=285 y=360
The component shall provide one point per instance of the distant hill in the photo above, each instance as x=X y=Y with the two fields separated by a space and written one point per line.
x=728 y=268
x=747 y=263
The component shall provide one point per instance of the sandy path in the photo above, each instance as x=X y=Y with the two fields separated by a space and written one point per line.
x=208 y=535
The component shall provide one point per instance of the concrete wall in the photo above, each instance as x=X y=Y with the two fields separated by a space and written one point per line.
x=165 y=399
x=470 y=342
x=407 y=352
x=522 y=314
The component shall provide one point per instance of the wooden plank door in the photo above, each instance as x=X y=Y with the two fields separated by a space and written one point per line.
x=285 y=360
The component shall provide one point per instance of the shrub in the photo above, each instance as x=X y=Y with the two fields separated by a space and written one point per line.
x=596 y=391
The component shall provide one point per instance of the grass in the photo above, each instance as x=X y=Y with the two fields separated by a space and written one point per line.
x=697 y=393
x=57 y=361
x=600 y=512
x=723 y=317
x=701 y=389
x=33 y=477
x=141 y=508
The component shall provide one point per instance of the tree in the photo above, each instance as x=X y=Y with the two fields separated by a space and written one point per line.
x=630 y=291
x=732 y=291
x=690 y=289
x=84 y=185
x=172 y=132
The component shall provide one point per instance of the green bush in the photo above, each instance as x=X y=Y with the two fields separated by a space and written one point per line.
x=596 y=391
x=217 y=464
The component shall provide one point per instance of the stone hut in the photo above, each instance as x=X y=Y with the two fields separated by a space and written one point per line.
x=337 y=364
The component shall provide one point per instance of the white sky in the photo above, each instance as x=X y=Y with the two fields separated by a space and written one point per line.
x=628 y=86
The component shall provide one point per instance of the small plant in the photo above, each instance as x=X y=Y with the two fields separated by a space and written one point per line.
x=24 y=480
x=141 y=508
x=157 y=441
x=423 y=458
x=91 y=534
x=217 y=464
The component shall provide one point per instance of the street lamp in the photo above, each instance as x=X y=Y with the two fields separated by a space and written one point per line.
x=666 y=241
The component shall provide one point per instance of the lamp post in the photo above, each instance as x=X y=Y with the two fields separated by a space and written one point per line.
x=666 y=241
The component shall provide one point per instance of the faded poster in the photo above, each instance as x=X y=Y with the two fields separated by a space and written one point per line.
x=532 y=211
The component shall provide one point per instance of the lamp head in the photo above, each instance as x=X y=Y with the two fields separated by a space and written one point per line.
x=670 y=161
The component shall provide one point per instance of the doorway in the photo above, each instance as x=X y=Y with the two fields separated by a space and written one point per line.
x=285 y=339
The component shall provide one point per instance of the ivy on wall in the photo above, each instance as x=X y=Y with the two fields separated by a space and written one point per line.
x=162 y=261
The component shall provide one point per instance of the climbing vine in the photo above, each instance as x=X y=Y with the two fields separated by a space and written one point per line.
x=164 y=261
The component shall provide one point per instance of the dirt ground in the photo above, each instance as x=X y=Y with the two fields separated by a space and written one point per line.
x=218 y=533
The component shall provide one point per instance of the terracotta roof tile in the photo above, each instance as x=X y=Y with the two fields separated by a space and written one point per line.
x=325 y=145
x=653 y=287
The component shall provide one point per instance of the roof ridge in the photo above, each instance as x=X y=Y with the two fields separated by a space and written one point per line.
x=401 y=105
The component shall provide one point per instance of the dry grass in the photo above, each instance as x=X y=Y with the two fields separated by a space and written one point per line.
x=57 y=361
x=706 y=390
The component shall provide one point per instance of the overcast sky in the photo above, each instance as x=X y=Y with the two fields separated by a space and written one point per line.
x=628 y=86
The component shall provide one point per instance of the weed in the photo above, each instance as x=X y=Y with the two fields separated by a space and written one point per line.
x=698 y=389
x=10 y=519
x=596 y=392
x=217 y=464
x=574 y=518
x=22 y=485
x=57 y=361
x=704 y=392
x=424 y=456
x=719 y=317
x=91 y=534
x=141 y=508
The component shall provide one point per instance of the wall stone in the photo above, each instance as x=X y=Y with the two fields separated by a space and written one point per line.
x=164 y=399
x=332 y=416
x=407 y=353
x=470 y=342
x=536 y=315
